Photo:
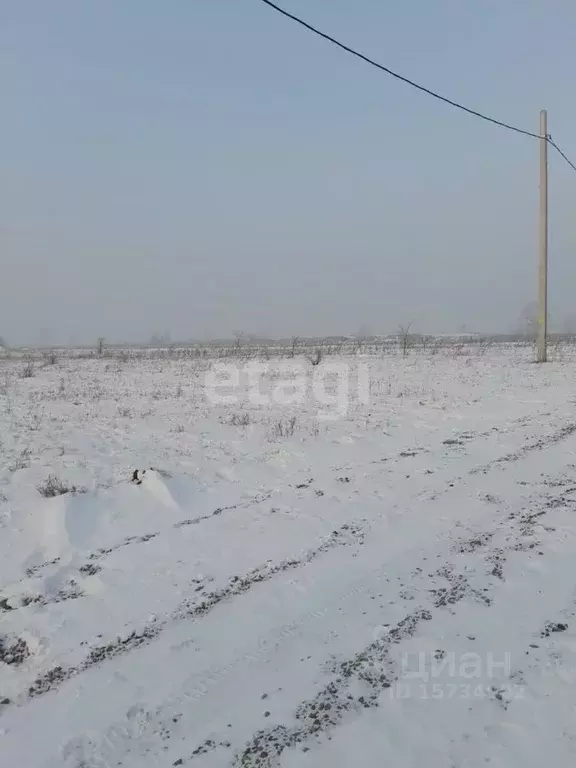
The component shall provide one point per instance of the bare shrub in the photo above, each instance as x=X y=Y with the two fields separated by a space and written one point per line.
x=295 y=342
x=239 y=337
x=51 y=358
x=406 y=337
x=459 y=349
x=54 y=486
x=316 y=357
x=35 y=422
x=22 y=461
x=28 y=370
x=5 y=384
x=426 y=342
x=239 y=419
x=484 y=345
x=282 y=428
x=314 y=430
x=557 y=347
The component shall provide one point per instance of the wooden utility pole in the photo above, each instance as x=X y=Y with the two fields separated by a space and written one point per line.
x=543 y=263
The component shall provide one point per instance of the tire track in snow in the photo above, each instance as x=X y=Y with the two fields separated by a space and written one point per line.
x=237 y=585
x=468 y=437
x=538 y=445
x=504 y=461
x=442 y=598
x=56 y=676
x=347 y=535
x=101 y=553
x=370 y=671
x=90 y=569
x=372 y=666
x=74 y=593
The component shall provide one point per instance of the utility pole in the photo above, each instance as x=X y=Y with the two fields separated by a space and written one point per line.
x=543 y=263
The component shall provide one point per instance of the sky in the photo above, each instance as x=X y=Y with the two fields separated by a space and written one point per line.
x=202 y=167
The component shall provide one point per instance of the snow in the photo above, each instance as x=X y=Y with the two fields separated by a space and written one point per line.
x=381 y=571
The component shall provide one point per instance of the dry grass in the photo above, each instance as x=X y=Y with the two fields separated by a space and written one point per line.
x=53 y=486
x=240 y=419
x=28 y=370
x=282 y=429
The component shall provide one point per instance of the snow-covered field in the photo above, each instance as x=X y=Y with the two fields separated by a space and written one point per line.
x=380 y=571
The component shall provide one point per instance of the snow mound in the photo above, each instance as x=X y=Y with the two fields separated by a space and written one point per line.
x=62 y=534
x=153 y=482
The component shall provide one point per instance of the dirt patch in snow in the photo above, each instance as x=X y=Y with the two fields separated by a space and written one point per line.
x=13 y=651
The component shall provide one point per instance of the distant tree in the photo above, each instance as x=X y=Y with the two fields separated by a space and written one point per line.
x=295 y=342
x=160 y=340
x=406 y=338
x=529 y=320
x=364 y=332
x=570 y=323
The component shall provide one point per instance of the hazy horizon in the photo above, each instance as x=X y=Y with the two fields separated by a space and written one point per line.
x=204 y=168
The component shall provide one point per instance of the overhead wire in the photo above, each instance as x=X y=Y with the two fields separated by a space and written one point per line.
x=416 y=85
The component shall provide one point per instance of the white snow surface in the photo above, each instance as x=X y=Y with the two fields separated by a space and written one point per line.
x=395 y=586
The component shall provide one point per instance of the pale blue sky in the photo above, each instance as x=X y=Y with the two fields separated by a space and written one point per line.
x=205 y=166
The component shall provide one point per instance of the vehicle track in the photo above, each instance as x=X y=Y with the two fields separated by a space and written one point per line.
x=371 y=667
x=205 y=601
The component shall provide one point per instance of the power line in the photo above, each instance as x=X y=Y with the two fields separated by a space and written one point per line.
x=398 y=76
x=557 y=148
x=417 y=85
x=544 y=138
